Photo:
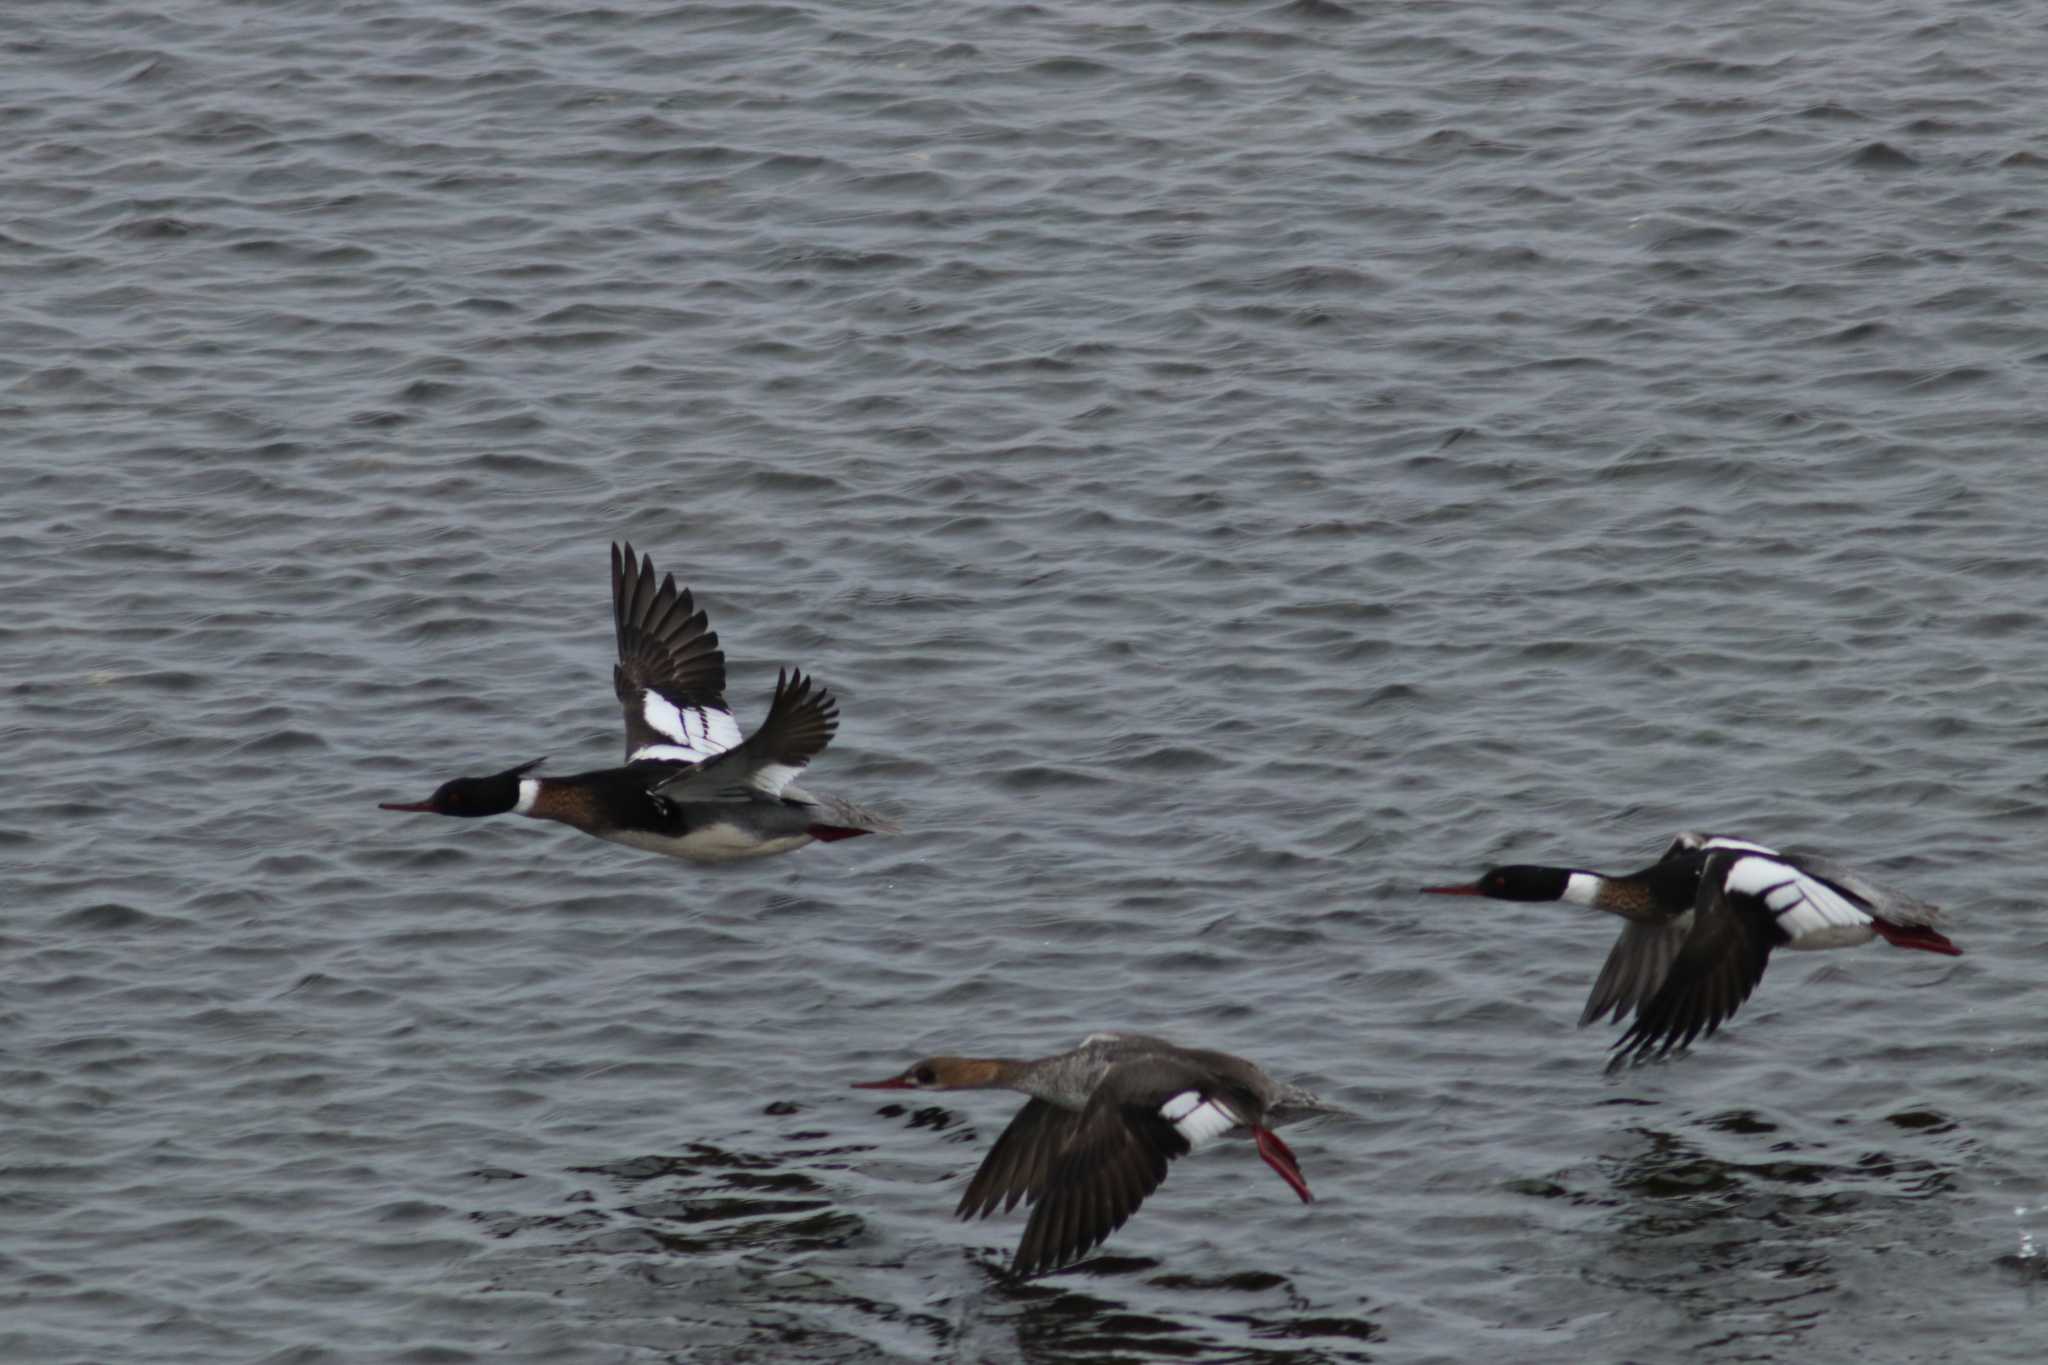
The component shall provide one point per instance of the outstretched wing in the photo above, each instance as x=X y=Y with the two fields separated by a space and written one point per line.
x=1636 y=966
x=1117 y=1156
x=1146 y=1111
x=1719 y=964
x=1016 y=1167
x=801 y=721
x=1809 y=912
x=1887 y=902
x=670 y=677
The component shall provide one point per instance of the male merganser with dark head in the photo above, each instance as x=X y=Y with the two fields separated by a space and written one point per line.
x=1702 y=922
x=691 y=787
x=1103 y=1121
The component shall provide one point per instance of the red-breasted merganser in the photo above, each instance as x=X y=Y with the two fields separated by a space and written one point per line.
x=691 y=787
x=1702 y=922
x=1103 y=1121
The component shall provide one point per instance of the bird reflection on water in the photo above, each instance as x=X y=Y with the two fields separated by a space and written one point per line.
x=1255 y=1317
x=1739 y=1246
x=737 y=1247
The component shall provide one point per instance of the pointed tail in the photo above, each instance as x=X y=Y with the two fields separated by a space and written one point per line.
x=833 y=818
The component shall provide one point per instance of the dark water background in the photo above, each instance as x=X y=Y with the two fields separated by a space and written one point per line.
x=1236 y=462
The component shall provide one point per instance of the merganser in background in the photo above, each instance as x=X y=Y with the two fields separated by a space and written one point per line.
x=1103 y=1121
x=692 y=787
x=1702 y=922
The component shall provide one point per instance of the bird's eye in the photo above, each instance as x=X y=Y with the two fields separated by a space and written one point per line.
x=924 y=1075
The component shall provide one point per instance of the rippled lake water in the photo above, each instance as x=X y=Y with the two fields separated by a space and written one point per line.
x=1235 y=462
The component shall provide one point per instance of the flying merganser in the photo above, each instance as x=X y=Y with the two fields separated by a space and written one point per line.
x=1702 y=922
x=692 y=787
x=1103 y=1121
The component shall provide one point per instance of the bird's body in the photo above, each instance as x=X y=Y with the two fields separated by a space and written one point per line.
x=1702 y=924
x=1103 y=1121
x=691 y=786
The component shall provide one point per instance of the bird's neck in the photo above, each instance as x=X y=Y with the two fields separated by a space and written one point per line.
x=1638 y=897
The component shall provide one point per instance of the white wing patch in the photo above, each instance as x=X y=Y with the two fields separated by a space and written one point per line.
x=773 y=777
x=695 y=732
x=1813 y=913
x=1196 y=1119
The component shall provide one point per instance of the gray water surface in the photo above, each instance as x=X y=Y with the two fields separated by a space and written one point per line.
x=1235 y=462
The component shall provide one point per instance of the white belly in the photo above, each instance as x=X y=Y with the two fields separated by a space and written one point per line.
x=719 y=843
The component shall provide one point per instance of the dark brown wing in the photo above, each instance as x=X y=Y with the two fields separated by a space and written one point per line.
x=1017 y=1166
x=1718 y=966
x=1121 y=1147
x=1118 y=1157
x=1636 y=966
x=670 y=678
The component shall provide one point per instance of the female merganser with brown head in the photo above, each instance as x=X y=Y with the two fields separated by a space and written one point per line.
x=1103 y=1121
x=1702 y=923
x=692 y=787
